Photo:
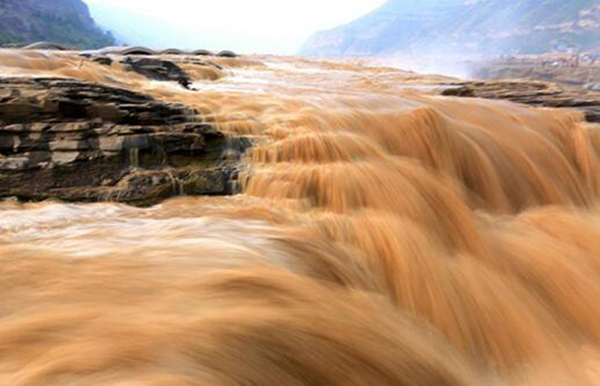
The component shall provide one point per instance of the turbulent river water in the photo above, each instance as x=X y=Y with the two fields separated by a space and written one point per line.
x=384 y=236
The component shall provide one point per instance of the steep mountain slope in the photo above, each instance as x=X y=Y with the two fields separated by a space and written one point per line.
x=62 y=21
x=465 y=27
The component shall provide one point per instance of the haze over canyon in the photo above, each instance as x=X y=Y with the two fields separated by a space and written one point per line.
x=459 y=27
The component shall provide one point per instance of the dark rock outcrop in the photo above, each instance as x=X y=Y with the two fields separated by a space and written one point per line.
x=203 y=52
x=77 y=141
x=533 y=93
x=173 y=51
x=103 y=60
x=126 y=50
x=227 y=54
x=157 y=69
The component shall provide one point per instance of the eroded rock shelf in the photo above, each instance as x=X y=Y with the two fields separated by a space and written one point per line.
x=77 y=141
x=532 y=93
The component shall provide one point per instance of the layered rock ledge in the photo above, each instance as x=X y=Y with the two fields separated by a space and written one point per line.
x=533 y=93
x=77 y=141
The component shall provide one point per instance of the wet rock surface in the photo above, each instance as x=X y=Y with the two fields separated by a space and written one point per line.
x=103 y=60
x=157 y=69
x=533 y=93
x=77 y=141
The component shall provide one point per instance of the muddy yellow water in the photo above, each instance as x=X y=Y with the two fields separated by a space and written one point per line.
x=384 y=236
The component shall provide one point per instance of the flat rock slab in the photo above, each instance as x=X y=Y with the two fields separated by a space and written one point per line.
x=533 y=93
x=77 y=141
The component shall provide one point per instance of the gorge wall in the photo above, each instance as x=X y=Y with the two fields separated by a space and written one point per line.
x=61 y=21
x=457 y=27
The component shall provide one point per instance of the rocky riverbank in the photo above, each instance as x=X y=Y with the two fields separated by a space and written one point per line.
x=78 y=133
x=78 y=141
x=533 y=93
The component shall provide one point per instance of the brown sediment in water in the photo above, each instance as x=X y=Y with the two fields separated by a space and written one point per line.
x=385 y=236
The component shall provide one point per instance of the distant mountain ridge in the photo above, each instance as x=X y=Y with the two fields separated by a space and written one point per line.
x=465 y=27
x=61 y=21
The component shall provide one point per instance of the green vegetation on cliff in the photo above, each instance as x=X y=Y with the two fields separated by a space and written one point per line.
x=61 y=21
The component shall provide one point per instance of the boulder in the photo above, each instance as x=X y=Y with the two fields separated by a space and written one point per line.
x=203 y=52
x=227 y=54
x=157 y=69
x=173 y=51
x=103 y=60
x=124 y=50
x=77 y=141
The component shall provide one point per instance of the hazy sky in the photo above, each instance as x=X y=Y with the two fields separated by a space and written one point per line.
x=248 y=26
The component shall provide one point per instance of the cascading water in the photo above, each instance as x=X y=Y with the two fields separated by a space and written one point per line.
x=384 y=236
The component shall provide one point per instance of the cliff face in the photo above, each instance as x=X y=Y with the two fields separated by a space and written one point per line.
x=465 y=27
x=61 y=21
